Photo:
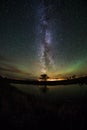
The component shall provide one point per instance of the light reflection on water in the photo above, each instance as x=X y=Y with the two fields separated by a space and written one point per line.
x=54 y=92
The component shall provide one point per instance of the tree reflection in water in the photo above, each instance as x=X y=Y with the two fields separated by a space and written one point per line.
x=43 y=88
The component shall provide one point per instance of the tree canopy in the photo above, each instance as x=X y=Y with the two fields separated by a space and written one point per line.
x=44 y=77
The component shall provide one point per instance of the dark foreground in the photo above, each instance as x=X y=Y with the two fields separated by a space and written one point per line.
x=22 y=111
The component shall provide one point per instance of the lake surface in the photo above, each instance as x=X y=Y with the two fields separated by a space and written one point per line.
x=54 y=93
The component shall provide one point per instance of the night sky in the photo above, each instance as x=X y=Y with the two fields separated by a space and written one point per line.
x=27 y=51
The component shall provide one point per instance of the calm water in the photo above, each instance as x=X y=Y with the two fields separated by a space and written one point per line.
x=54 y=93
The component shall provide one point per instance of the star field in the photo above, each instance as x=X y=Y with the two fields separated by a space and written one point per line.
x=20 y=37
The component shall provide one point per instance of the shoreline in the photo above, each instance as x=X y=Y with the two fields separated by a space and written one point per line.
x=80 y=81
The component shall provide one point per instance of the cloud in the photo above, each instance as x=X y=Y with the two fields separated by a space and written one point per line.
x=9 y=70
x=12 y=70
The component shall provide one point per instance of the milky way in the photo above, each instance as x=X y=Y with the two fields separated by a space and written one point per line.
x=45 y=33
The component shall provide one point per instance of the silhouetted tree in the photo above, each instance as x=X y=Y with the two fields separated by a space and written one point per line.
x=44 y=77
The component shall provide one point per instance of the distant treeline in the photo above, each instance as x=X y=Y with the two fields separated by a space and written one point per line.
x=80 y=81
